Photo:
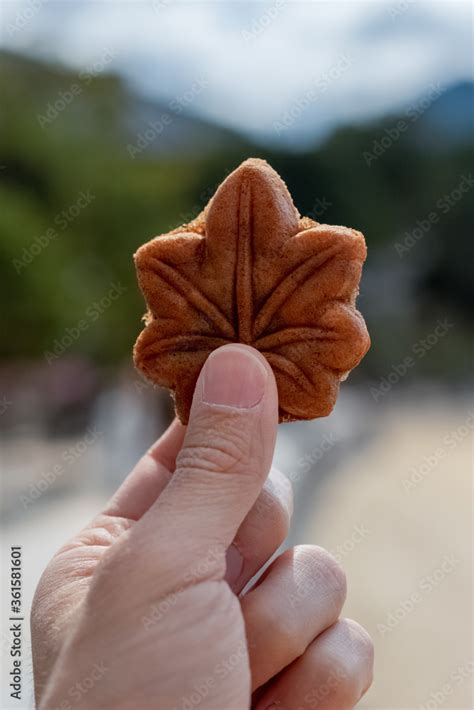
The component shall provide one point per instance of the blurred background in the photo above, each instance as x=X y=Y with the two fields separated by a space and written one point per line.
x=118 y=121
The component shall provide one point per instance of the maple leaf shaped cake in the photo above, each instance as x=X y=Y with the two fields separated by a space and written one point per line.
x=248 y=269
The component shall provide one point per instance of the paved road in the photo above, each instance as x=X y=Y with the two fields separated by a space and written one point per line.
x=386 y=488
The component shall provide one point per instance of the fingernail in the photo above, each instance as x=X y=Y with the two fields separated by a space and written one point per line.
x=233 y=377
x=234 y=565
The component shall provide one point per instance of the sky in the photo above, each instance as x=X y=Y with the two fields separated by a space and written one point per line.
x=287 y=71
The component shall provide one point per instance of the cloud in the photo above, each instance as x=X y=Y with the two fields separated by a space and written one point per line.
x=261 y=58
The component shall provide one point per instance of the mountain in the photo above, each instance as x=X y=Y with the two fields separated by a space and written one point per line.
x=80 y=103
x=451 y=116
x=169 y=129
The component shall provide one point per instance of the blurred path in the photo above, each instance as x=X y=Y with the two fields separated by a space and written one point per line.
x=398 y=514
x=385 y=487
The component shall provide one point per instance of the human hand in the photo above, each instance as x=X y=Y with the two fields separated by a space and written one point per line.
x=143 y=609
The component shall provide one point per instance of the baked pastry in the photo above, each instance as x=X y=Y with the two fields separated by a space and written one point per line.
x=249 y=269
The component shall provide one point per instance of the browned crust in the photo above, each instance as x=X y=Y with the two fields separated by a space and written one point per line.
x=249 y=269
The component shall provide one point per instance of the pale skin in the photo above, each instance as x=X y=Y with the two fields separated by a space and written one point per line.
x=144 y=609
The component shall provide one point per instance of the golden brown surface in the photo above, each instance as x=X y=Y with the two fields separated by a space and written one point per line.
x=248 y=269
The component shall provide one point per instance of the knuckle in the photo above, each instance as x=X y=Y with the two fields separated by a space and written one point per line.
x=295 y=645
x=286 y=640
x=282 y=489
x=271 y=514
x=280 y=523
x=345 y=688
x=268 y=628
x=362 y=652
x=351 y=654
x=220 y=449
x=362 y=641
x=326 y=570
x=112 y=562
x=218 y=455
x=104 y=531
x=214 y=603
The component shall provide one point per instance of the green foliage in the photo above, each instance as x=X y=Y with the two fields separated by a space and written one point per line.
x=75 y=205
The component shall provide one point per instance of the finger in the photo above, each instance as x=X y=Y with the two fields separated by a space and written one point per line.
x=149 y=476
x=300 y=595
x=262 y=532
x=333 y=673
x=220 y=470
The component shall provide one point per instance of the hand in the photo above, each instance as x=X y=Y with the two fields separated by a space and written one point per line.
x=142 y=609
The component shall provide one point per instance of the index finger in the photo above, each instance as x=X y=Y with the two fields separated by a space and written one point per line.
x=149 y=477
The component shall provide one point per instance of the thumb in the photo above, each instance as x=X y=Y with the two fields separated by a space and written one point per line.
x=225 y=459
